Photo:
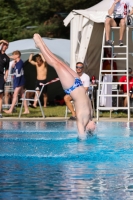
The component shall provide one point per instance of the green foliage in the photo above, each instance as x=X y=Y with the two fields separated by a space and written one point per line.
x=16 y=15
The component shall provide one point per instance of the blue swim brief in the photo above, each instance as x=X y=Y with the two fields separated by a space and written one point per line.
x=76 y=84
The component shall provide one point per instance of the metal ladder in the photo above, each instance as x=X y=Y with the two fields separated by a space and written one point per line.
x=112 y=71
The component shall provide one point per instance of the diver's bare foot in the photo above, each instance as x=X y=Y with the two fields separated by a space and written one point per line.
x=26 y=112
x=7 y=111
x=37 y=38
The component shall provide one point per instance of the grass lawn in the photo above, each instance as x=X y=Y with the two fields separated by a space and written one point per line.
x=59 y=111
x=50 y=111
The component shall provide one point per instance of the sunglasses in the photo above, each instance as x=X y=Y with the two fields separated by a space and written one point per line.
x=77 y=67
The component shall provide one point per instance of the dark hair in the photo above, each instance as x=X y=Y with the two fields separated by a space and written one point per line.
x=38 y=57
x=80 y=63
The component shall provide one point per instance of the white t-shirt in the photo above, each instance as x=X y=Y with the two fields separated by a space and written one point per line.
x=119 y=7
x=85 y=80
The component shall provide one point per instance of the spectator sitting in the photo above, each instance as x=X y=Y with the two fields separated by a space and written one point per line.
x=86 y=83
x=124 y=86
x=119 y=9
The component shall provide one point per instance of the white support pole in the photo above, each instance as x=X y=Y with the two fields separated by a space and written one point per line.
x=101 y=66
x=127 y=67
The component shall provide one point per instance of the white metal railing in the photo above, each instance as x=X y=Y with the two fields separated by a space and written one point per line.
x=126 y=71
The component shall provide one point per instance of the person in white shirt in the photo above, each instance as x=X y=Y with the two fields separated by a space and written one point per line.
x=117 y=16
x=86 y=83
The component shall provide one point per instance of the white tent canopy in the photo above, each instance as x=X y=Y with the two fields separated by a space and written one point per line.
x=96 y=13
x=86 y=37
x=59 y=47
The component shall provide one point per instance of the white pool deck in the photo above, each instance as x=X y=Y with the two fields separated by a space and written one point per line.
x=62 y=119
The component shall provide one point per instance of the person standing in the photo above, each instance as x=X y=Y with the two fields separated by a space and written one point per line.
x=41 y=67
x=117 y=16
x=4 y=66
x=18 y=81
x=86 y=83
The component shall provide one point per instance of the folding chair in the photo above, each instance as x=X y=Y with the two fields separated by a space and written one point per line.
x=38 y=96
x=28 y=99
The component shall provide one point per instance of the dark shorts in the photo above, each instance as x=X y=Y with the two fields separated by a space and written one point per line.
x=117 y=20
x=2 y=83
x=38 y=86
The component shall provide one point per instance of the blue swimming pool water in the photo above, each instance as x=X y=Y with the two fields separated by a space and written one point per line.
x=44 y=160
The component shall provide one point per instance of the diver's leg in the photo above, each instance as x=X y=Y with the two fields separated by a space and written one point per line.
x=67 y=79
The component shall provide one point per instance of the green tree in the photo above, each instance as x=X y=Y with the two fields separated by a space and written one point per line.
x=16 y=15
